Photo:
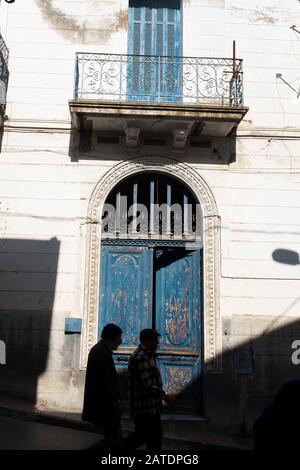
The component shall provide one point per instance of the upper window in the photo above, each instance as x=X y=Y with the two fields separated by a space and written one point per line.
x=155 y=39
x=154 y=27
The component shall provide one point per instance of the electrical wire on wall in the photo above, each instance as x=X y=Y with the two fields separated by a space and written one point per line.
x=292 y=169
x=295 y=35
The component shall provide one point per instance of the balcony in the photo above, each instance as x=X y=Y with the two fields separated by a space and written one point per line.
x=3 y=78
x=179 y=91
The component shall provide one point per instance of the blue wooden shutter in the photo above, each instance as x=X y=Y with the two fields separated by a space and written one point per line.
x=154 y=30
x=154 y=27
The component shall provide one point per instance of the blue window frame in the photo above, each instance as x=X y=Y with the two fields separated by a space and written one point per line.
x=155 y=40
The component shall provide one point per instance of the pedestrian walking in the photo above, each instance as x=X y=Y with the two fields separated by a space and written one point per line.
x=146 y=394
x=101 y=396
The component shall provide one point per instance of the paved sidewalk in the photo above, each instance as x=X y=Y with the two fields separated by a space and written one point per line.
x=181 y=431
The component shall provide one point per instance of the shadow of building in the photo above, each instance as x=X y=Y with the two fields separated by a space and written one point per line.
x=28 y=270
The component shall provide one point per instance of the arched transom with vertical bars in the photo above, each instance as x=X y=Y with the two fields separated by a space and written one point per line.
x=151 y=205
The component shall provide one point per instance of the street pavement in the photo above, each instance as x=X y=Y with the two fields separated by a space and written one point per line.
x=18 y=434
x=24 y=425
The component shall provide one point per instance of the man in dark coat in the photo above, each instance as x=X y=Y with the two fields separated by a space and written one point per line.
x=101 y=396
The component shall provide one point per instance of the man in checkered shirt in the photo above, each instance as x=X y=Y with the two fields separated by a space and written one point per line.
x=146 y=394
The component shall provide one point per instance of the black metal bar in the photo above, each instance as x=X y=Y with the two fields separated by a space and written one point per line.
x=233 y=59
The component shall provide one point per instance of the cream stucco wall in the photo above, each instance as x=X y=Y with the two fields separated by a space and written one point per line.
x=45 y=195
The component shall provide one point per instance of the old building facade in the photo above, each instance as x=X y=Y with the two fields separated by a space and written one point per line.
x=190 y=105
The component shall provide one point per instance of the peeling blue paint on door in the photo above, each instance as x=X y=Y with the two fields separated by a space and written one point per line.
x=126 y=290
x=131 y=276
x=178 y=318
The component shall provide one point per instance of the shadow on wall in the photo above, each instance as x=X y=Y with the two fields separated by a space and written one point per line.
x=1 y=139
x=252 y=373
x=286 y=257
x=221 y=151
x=27 y=287
x=259 y=356
x=257 y=350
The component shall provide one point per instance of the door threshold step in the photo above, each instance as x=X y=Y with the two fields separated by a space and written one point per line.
x=182 y=417
x=173 y=417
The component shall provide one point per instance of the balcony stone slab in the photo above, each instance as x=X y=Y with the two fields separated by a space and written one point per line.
x=133 y=119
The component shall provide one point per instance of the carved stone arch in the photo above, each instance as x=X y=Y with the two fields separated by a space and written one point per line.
x=211 y=249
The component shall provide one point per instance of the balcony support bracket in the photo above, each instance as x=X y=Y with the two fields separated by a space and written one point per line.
x=132 y=133
x=180 y=137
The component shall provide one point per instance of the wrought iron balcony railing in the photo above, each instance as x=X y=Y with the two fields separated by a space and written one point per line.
x=159 y=79
x=3 y=72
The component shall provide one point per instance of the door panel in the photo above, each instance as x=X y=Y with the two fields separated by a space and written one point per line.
x=178 y=318
x=181 y=375
x=126 y=291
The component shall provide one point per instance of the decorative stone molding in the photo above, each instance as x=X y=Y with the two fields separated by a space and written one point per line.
x=211 y=250
x=132 y=132
x=180 y=136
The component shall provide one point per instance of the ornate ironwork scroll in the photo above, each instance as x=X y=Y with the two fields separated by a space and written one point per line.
x=191 y=80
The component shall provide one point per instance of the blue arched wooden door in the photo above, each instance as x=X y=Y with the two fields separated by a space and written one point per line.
x=155 y=283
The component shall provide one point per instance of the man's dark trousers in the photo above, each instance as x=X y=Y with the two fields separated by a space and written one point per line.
x=111 y=441
x=148 y=429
